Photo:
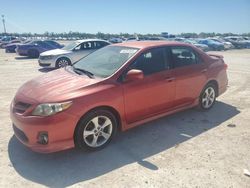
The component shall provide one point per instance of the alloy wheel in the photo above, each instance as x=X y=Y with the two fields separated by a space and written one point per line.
x=208 y=97
x=63 y=63
x=97 y=131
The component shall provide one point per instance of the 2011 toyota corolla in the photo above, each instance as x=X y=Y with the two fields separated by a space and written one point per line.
x=115 y=88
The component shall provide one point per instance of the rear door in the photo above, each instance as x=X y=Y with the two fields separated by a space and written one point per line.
x=190 y=73
x=155 y=92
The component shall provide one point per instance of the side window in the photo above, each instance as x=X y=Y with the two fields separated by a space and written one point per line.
x=87 y=45
x=150 y=62
x=84 y=46
x=42 y=44
x=52 y=43
x=77 y=48
x=183 y=56
x=100 y=44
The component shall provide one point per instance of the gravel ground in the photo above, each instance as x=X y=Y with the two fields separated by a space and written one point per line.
x=187 y=149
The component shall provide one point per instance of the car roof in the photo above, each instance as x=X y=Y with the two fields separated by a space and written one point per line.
x=89 y=40
x=150 y=44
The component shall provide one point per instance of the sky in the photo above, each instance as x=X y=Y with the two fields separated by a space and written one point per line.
x=127 y=16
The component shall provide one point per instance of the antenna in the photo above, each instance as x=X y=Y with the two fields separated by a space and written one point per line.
x=3 y=23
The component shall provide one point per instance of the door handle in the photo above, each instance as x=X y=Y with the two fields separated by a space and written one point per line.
x=169 y=79
x=204 y=70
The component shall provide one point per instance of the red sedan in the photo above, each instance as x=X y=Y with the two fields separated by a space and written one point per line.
x=115 y=88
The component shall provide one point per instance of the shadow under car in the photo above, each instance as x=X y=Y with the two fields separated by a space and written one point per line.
x=72 y=166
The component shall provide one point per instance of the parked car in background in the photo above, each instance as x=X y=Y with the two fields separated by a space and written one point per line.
x=155 y=38
x=213 y=45
x=203 y=47
x=115 y=40
x=83 y=105
x=132 y=39
x=34 y=48
x=11 y=47
x=238 y=42
x=71 y=53
x=227 y=45
x=5 y=40
x=15 y=41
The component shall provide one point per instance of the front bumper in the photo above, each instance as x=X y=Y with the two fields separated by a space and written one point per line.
x=59 y=127
x=47 y=62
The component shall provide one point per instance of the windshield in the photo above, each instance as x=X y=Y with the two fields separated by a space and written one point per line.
x=106 y=61
x=70 y=46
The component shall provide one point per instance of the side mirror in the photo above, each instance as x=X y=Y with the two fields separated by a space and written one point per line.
x=133 y=75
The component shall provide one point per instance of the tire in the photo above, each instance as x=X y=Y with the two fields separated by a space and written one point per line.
x=90 y=131
x=62 y=62
x=33 y=53
x=208 y=97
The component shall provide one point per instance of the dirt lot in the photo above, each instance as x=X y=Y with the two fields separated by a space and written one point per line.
x=187 y=149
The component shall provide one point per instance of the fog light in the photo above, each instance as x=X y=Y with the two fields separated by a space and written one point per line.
x=43 y=138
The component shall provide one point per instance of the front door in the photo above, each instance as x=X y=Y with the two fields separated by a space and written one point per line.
x=155 y=92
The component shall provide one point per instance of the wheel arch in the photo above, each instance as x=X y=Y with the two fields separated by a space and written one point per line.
x=108 y=108
x=215 y=83
x=63 y=56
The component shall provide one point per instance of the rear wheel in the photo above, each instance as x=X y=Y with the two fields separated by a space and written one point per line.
x=62 y=62
x=95 y=130
x=207 y=97
x=33 y=53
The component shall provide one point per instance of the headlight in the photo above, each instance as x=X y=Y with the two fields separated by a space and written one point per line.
x=49 y=109
x=46 y=57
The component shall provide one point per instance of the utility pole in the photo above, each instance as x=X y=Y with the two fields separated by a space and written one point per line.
x=3 y=24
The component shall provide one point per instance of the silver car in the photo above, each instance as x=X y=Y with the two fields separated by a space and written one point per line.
x=70 y=53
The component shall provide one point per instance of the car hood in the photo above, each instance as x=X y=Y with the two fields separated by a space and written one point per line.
x=55 y=52
x=58 y=85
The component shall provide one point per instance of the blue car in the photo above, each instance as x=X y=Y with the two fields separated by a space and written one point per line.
x=213 y=45
x=11 y=47
x=34 y=48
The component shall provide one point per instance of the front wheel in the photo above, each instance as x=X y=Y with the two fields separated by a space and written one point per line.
x=62 y=62
x=95 y=130
x=207 y=97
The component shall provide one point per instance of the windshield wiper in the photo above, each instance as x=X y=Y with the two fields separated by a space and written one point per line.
x=82 y=71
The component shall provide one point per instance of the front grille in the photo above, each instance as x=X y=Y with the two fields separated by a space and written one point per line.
x=20 y=107
x=44 y=65
x=20 y=134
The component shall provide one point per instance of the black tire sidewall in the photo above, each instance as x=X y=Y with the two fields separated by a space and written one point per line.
x=62 y=58
x=200 y=98
x=78 y=137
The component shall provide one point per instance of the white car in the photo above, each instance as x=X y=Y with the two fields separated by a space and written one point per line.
x=70 y=53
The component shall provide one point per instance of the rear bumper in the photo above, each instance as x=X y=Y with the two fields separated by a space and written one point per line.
x=222 y=90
